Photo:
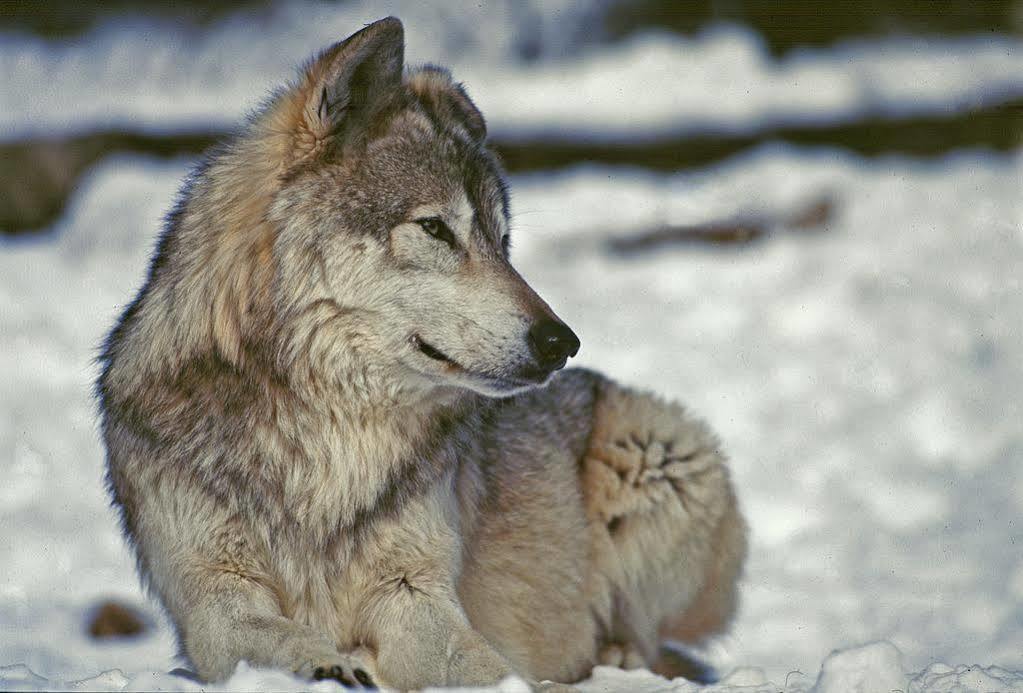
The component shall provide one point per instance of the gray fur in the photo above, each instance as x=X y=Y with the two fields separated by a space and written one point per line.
x=305 y=487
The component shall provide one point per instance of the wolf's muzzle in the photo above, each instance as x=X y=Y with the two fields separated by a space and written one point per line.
x=552 y=343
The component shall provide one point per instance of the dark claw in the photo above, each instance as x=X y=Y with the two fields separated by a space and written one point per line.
x=363 y=678
x=336 y=673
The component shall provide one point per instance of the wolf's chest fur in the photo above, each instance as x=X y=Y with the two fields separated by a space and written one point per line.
x=350 y=488
x=334 y=470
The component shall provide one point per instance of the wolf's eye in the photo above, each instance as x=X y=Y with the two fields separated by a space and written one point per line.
x=438 y=229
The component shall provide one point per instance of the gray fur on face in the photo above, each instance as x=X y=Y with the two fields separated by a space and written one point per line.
x=354 y=219
x=300 y=438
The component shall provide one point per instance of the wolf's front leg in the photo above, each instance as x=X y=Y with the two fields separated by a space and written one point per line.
x=216 y=588
x=224 y=617
x=432 y=643
x=424 y=638
x=216 y=640
x=410 y=614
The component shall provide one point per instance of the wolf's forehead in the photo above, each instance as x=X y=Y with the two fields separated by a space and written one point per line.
x=421 y=169
x=472 y=190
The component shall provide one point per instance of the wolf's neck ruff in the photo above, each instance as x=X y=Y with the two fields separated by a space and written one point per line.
x=355 y=448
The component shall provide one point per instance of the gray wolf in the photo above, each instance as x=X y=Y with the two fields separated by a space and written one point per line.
x=337 y=434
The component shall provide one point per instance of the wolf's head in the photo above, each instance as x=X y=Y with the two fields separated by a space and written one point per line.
x=385 y=231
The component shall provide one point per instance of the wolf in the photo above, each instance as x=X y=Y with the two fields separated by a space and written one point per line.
x=339 y=434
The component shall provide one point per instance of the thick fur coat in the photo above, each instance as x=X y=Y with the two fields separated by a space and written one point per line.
x=336 y=436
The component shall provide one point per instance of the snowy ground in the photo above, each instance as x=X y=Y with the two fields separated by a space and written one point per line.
x=865 y=377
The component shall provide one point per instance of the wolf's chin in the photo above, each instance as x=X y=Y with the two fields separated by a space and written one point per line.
x=491 y=385
x=499 y=390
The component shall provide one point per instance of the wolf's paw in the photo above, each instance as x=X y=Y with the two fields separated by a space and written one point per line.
x=645 y=456
x=349 y=670
x=633 y=473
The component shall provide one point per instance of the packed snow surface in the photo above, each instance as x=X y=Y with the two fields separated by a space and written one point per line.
x=870 y=668
x=143 y=74
x=864 y=377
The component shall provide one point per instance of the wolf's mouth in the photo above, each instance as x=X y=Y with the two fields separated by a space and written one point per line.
x=431 y=351
x=527 y=378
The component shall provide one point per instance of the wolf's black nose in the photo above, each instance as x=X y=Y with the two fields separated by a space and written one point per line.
x=553 y=342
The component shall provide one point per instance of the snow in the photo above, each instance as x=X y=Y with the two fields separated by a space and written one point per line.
x=868 y=668
x=139 y=73
x=875 y=667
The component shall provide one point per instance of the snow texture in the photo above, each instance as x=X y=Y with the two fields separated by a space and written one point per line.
x=151 y=76
x=864 y=377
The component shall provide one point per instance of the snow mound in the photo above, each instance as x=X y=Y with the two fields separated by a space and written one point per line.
x=942 y=678
x=866 y=669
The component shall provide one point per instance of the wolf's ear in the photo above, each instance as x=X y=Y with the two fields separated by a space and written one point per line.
x=447 y=100
x=349 y=81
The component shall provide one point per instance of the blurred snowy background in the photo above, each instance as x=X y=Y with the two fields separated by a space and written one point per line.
x=805 y=220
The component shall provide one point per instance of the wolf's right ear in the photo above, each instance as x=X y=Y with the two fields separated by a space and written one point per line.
x=447 y=100
x=348 y=82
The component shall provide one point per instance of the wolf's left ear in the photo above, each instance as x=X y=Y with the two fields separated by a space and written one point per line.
x=349 y=81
